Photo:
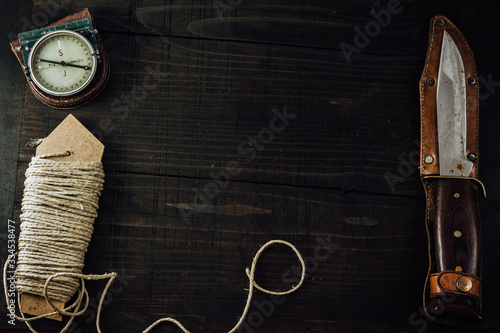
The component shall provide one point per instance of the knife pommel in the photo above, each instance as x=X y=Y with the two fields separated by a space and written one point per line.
x=449 y=106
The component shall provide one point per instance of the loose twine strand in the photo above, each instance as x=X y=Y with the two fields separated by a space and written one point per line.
x=59 y=207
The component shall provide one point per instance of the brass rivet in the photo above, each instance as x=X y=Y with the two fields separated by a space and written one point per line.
x=456 y=195
x=458 y=268
x=429 y=159
x=464 y=284
x=457 y=233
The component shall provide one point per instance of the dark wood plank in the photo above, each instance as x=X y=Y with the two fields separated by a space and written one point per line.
x=12 y=97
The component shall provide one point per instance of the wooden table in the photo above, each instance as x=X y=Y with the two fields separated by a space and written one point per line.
x=229 y=123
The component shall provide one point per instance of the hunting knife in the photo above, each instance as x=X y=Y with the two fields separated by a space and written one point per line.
x=449 y=107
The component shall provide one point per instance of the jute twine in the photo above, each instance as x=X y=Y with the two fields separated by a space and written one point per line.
x=59 y=206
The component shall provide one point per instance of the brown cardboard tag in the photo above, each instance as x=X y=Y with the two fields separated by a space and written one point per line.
x=70 y=136
x=37 y=305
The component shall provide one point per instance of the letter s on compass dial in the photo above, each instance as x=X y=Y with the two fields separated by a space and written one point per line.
x=62 y=63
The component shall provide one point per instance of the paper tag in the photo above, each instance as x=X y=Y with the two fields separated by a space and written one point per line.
x=36 y=305
x=70 y=136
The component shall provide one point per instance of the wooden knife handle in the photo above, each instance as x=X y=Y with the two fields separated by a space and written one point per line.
x=454 y=229
x=457 y=243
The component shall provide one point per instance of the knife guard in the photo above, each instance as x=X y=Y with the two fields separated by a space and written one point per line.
x=452 y=291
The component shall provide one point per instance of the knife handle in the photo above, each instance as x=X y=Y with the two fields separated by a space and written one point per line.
x=453 y=286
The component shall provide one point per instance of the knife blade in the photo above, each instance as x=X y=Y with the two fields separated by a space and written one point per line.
x=449 y=106
x=451 y=111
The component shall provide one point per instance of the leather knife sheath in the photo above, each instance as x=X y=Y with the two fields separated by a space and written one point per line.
x=90 y=92
x=452 y=292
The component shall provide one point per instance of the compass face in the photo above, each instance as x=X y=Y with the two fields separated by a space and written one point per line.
x=62 y=63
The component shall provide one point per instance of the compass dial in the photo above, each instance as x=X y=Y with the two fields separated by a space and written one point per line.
x=62 y=63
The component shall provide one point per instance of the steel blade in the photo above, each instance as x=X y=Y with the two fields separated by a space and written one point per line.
x=451 y=111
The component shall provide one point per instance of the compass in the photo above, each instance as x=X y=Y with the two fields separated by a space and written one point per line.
x=62 y=63
x=65 y=63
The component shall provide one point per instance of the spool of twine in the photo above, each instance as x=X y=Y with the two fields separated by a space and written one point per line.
x=59 y=207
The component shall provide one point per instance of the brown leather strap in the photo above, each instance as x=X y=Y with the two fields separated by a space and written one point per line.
x=453 y=282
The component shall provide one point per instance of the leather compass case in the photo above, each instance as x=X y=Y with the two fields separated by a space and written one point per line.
x=91 y=91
